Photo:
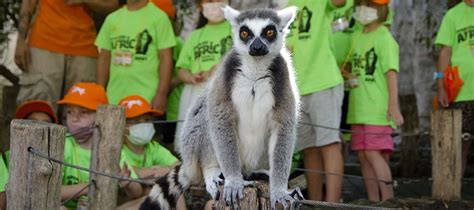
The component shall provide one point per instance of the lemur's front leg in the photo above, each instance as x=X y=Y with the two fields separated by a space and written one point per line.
x=281 y=148
x=222 y=121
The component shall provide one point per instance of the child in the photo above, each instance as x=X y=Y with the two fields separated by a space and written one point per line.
x=136 y=53
x=201 y=53
x=455 y=37
x=321 y=89
x=145 y=157
x=373 y=104
x=81 y=103
x=36 y=110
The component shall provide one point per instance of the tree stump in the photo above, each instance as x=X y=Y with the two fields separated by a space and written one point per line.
x=446 y=149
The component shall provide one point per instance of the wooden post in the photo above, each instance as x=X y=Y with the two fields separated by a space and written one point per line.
x=251 y=200
x=105 y=156
x=35 y=182
x=409 y=156
x=446 y=149
x=7 y=114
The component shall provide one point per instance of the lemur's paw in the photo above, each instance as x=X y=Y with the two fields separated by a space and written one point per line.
x=284 y=197
x=234 y=191
x=212 y=185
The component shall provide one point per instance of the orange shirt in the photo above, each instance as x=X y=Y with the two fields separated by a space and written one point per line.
x=63 y=29
x=166 y=6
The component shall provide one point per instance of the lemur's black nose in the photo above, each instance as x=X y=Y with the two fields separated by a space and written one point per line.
x=258 y=48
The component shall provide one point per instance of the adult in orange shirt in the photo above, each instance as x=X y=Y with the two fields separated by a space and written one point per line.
x=166 y=6
x=55 y=46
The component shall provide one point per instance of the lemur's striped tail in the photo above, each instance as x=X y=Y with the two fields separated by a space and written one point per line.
x=166 y=191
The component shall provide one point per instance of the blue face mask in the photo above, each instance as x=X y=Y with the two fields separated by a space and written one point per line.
x=141 y=134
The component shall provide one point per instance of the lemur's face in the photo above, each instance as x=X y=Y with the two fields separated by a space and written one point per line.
x=259 y=32
x=259 y=37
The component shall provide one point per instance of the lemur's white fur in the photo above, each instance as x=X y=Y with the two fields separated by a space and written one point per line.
x=245 y=120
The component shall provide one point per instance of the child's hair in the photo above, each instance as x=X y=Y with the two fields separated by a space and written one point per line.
x=452 y=3
x=382 y=10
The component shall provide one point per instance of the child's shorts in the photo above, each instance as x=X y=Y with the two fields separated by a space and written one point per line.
x=467 y=108
x=372 y=137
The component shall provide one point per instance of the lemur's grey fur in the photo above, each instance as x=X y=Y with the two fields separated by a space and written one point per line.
x=245 y=119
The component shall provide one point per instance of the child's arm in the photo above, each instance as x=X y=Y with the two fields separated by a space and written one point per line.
x=393 y=106
x=67 y=191
x=132 y=189
x=165 y=71
x=444 y=61
x=103 y=67
x=188 y=78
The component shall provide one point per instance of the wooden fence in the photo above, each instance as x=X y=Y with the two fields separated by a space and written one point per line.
x=35 y=182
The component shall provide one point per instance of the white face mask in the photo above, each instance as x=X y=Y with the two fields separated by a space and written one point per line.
x=212 y=11
x=141 y=134
x=365 y=15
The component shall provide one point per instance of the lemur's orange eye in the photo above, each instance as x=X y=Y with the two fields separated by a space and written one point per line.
x=244 y=34
x=270 y=33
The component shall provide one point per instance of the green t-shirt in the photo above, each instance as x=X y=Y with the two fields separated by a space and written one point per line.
x=134 y=39
x=374 y=54
x=172 y=108
x=76 y=155
x=3 y=175
x=205 y=47
x=457 y=32
x=342 y=40
x=154 y=155
x=311 y=40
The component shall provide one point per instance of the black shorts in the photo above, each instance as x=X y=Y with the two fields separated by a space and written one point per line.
x=467 y=108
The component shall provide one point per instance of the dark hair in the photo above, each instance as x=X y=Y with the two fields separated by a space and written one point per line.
x=452 y=3
x=202 y=21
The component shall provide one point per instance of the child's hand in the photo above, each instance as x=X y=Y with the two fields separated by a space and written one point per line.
x=124 y=172
x=195 y=79
x=443 y=97
x=395 y=115
x=207 y=74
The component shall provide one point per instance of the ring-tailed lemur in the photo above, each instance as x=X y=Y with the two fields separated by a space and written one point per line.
x=245 y=120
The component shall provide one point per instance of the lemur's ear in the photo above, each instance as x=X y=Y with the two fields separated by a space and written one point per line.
x=231 y=14
x=287 y=16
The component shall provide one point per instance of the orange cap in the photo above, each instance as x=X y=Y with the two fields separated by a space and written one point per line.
x=87 y=95
x=28 y=107
x=381 y=2
x=136 y=105
x=166 y=6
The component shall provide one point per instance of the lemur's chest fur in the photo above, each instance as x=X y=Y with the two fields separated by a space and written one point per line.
x=253 y=99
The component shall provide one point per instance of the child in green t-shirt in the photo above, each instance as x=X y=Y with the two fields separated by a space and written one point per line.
x=33 y=110
x=201 y=53
x=136 y=53
x=456 y=39
x=146 y=158
x=320 y=85
x=81 y=103
x=373 y=103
